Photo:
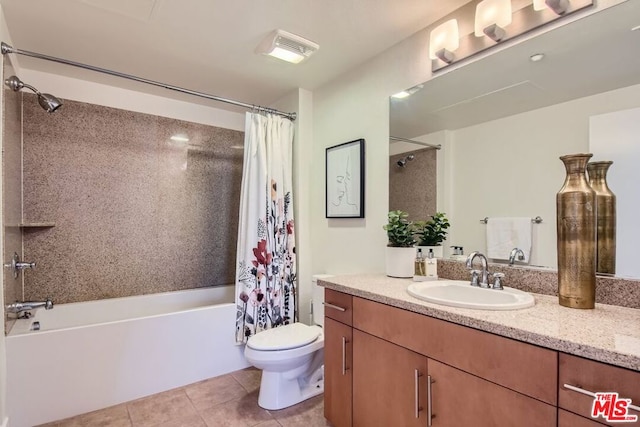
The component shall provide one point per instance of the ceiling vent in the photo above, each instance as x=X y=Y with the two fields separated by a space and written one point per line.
x=286 y=46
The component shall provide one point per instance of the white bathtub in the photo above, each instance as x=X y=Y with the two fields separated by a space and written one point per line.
x=91 y=355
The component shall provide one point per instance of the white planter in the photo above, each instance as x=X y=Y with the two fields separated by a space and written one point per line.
x=438 y=251
x=400 y=261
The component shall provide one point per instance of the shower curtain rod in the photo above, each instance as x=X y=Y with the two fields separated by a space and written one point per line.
x=5 y=48
x=426 y=144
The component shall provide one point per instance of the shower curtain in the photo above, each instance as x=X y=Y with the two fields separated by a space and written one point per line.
x=266 y=259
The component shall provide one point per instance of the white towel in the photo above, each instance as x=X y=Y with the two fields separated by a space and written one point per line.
x=504 y=234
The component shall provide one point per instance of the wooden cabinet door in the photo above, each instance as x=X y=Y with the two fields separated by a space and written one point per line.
x=461 y=399
x=389 y=384
x=337 y=372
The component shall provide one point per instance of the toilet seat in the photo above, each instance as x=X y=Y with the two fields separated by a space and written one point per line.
x=284 y=337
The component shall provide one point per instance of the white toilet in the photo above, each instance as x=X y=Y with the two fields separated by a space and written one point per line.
x=291 y=358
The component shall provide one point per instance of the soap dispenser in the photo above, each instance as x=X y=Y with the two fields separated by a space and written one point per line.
x=432 y=266
x=419 y=273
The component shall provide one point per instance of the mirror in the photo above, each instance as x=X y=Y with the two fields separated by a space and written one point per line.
x=504 y=121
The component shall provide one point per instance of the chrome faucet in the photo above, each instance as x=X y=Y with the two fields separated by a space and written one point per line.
x=19 y=307
x=485 y=270
x=512 y=256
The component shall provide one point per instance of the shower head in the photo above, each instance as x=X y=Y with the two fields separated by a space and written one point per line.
x=47 y=101
x=402 y=162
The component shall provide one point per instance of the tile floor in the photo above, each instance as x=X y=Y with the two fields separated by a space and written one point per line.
x=229 y=400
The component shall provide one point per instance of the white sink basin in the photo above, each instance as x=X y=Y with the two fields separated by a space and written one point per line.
x=457 y=293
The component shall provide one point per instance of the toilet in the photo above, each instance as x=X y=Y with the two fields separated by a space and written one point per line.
x=291 y=358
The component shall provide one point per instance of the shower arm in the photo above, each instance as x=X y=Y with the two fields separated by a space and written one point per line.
x=5 y=49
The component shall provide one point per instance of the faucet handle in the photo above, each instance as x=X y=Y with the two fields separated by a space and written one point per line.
x=498 y=278
x=474 y=277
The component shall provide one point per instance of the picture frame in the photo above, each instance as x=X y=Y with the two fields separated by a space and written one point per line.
x=344 y=180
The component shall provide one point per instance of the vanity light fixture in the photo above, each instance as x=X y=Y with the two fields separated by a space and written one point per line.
x=287 y=46
x=559 y=7
x=491 y=18
x=444 y=40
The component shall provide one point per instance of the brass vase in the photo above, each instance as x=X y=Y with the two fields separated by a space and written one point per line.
x=605 y=219
x=576 y=223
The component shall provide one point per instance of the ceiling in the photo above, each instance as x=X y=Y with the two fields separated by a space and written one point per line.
x=595 y=54
x=208 y=45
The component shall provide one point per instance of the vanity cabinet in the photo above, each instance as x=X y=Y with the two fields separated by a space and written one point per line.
x=337 y=358
x=592 y=376
x=385 y=366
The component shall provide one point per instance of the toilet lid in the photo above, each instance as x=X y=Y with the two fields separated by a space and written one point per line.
x=284 y=337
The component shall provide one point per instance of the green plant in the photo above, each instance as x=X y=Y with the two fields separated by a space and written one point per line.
x=400 y=230
x=432 y=232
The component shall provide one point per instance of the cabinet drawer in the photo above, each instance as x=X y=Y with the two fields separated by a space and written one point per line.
x=522 y=367
x=595 y=377
x=568 y=419
x=337 y=306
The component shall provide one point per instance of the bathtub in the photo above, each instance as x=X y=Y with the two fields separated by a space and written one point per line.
x=91 y=355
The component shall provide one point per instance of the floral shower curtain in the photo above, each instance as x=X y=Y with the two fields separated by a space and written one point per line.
x=266 y=260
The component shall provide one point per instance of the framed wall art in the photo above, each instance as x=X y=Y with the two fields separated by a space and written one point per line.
x=345 y=180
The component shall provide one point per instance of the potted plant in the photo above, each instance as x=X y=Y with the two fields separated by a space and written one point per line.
x=400 y=252
x=430 y=234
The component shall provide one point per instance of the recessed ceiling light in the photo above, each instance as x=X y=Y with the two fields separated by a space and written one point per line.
x=286 y=46
x=537 y=57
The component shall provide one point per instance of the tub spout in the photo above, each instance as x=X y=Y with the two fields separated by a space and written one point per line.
x=19 y=307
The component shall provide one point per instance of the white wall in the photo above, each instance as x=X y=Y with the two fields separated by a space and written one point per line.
x=614 y=137
x=511 y=167
x=356 y=105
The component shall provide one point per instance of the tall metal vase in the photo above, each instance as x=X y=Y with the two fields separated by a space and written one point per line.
x=576 y=223
x=606 y=217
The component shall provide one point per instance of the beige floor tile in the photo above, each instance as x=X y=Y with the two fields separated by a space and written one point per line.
x=160 y=408
x=212 y=392
x=114 y=416
x=192 y=421
x=249 y=378
x=243 y=412
x=309 y=413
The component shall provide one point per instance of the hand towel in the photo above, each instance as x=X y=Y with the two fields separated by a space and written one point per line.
x=504 y=234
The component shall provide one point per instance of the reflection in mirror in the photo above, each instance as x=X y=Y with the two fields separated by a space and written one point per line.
x=412 y=183
x=504 y=121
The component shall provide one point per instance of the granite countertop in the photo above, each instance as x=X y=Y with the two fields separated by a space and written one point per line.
x=608 y=333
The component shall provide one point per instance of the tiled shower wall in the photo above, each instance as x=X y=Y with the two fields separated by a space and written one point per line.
x=133 y=211
x=11 y=181
x=413 y=188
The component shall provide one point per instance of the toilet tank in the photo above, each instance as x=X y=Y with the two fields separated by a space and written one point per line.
x=317 y=309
